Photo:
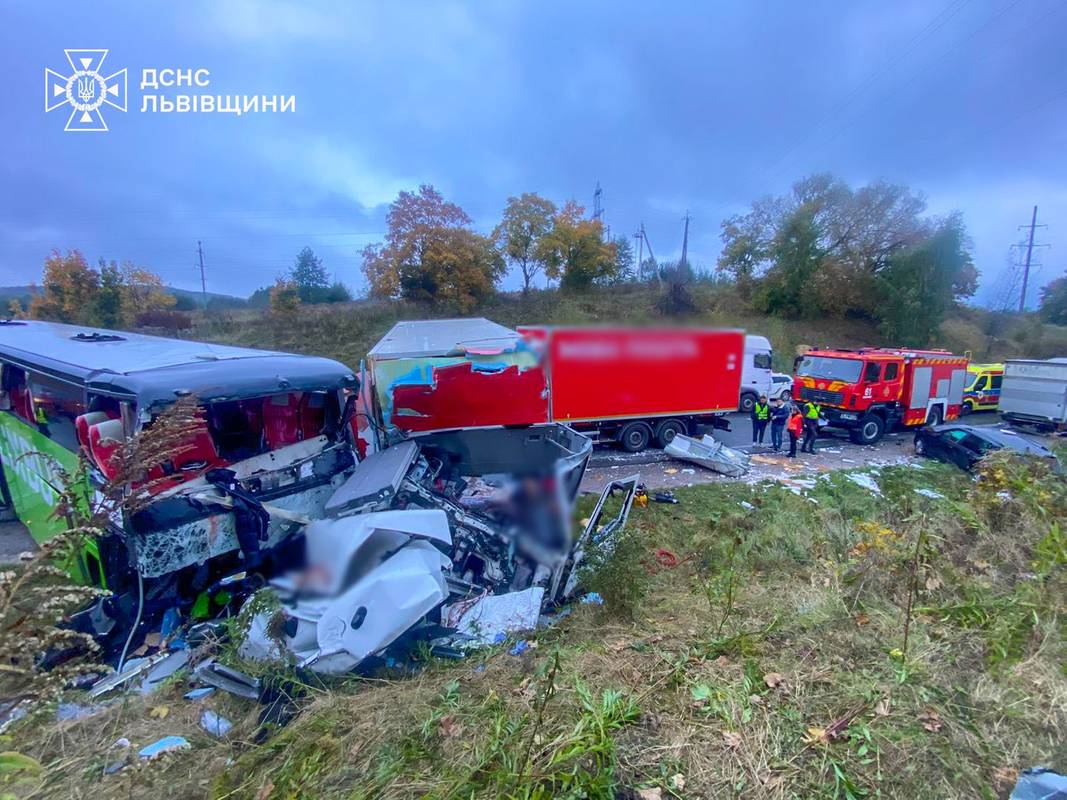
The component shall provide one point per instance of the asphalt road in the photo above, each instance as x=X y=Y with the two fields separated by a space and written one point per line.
x=657 y=470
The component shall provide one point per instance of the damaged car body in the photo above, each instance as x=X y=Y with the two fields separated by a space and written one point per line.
x=426 y=530
x=264 y=454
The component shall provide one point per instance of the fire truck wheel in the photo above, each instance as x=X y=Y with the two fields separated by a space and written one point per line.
x=667 y=430
x=635 y=437
x=869 y=430
x=933 y=416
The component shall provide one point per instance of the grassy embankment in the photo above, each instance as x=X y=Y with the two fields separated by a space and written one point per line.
x=777 y=658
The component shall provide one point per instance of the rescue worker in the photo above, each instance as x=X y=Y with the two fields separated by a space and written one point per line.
x=761 y=415
x=811 y=426
x=795 y=426
x=42 y=420
x=779 y=417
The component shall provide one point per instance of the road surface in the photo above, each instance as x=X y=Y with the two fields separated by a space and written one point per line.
x=833 y=451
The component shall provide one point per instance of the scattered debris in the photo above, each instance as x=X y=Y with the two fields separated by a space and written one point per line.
x=75 y=711
x=665 y=497
x=1039 y=783
x=228 y=679
x=932 y=494
x=864 y=480
x=483 y=618
x=218 y=726
x=709 y=453
x=167 y=744
x=520 y=647
x=199 y=694
x=592 y=599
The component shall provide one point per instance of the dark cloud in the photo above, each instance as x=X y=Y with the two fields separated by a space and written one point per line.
x=671 y=106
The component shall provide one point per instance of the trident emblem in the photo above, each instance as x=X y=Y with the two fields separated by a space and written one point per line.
x=86 y=89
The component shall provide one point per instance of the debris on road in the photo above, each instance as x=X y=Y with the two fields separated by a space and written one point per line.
x=710 y=454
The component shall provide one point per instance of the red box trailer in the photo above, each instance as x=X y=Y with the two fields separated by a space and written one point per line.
x=631 y=385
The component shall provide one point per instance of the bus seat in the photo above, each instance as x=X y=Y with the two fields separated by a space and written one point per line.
x=20 y=402
x=83 y=422
x=281 y=420
x=312 y=414
x=105 y=439
x=198 y=453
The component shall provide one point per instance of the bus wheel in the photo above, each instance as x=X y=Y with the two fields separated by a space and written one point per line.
x=635 y=437
x=868 y=431
x=667 y=430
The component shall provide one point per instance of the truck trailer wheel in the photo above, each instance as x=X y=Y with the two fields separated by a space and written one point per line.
x=868 y=431
x=667 y=430
x=748 y=400
x=635 y=437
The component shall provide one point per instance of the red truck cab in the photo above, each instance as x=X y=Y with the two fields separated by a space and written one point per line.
x=872 y=390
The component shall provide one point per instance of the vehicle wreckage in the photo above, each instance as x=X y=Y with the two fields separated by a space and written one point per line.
x=364 y=535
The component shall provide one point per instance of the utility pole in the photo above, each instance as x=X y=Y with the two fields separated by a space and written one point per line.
x=640 y=253
x=1029 y=255
x=203 y=282
x=685 y=241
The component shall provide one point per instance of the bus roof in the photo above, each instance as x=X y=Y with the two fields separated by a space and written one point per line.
x=157 y=370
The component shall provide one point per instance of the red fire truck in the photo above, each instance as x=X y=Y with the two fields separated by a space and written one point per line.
x=871 y=390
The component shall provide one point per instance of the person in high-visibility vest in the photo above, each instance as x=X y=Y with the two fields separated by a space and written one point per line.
x=811 y=426
x=761 y=416
x=42 y=420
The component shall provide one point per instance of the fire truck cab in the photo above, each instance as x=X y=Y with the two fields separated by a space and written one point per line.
x=872 y=390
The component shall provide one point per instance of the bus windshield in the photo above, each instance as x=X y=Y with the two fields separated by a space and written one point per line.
x=831 y=369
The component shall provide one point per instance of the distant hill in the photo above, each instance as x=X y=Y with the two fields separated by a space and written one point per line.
x=187 y=300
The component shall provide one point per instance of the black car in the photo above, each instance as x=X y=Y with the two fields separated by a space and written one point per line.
x=965 y=445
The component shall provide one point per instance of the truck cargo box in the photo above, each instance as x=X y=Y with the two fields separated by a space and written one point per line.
x=628 y=373
x=1035 y=391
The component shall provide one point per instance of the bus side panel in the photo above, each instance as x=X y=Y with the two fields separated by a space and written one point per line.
x=30 y=460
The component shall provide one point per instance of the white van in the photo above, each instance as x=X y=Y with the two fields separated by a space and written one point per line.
x=756 y=372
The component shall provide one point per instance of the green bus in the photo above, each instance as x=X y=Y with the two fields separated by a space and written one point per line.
x=271 y=445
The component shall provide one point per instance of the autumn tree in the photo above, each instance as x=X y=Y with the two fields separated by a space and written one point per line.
x=826 y=249
x=525 y=222
x=574 y=251
x=431 y=254
x=1053 y=306
x=68 y=289
x=284 y=298
x=142 y=292
x=112 y=296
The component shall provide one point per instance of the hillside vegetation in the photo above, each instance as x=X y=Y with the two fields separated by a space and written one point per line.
x=753 y=643
x=345 y=331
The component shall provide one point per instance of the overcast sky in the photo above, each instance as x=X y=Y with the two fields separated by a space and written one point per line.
x=669 y=105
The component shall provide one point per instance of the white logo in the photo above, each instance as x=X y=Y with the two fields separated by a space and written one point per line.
x=86 y=90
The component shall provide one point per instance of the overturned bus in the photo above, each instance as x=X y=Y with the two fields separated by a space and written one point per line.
x=268 y=434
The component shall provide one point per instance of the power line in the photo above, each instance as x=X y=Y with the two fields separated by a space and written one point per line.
x=1029 y=255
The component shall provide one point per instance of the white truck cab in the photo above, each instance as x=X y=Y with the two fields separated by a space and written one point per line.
x=756 y=372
